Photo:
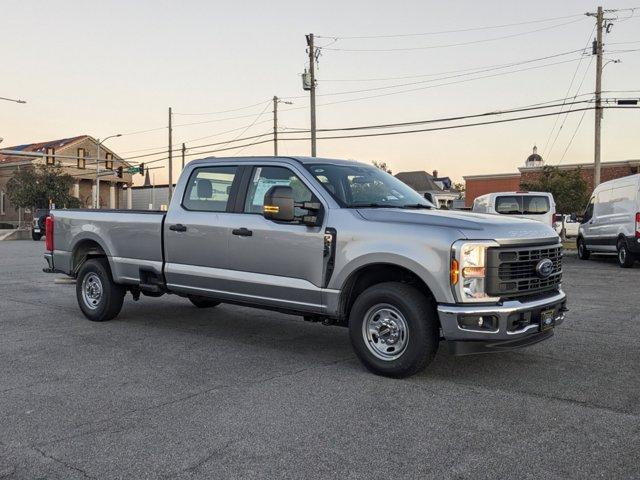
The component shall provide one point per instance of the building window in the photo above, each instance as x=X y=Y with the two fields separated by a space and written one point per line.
x=2 y=203
x=82 y=163
x=109 y=161
x=50 y=152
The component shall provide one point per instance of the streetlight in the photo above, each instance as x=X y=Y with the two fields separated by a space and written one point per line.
x=99 y=142
x=12 y=100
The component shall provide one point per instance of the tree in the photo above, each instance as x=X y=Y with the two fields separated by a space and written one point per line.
x=382 y=166
x=40 y=186
x=569 y=189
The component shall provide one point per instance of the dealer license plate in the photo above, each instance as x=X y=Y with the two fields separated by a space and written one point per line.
x=547 y=319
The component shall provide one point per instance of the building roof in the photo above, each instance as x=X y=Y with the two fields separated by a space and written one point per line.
x=40 y=147
x=586 y=166
x=419 y=180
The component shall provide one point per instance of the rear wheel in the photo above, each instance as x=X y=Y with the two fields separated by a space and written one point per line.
x=393 y=328
x=625 y=257
x=99 y=298
x=203 y=302
x=583 y=253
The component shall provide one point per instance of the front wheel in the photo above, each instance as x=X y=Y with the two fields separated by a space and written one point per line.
x=625 y=257
x=393 y=328
x=99 y=298
x=583 y=253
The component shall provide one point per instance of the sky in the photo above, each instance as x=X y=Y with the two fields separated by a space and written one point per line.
x=102 y=68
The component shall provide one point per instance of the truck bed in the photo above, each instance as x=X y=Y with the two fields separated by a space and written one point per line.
x=131 y=239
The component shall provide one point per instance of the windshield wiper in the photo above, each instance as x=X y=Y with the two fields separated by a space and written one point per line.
x=371 y=205
x=416 y=205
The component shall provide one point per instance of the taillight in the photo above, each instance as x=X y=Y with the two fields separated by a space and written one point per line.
x=638 y=225
x=48 y=239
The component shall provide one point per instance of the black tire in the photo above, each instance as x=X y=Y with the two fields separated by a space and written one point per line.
x=421 y=321
x=583 y=253
x=108 y=303
x=203 y=302
x=36 y=236
x=626 y=259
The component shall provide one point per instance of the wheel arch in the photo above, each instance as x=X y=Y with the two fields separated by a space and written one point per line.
x=372 y=274
x=85 y=249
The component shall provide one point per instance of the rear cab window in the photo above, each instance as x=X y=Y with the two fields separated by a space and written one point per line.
x=522 y=204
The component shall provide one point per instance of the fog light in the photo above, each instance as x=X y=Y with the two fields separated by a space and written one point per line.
x=478 y=322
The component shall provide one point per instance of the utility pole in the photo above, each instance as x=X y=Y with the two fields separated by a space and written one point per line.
x=276 y=101
x=170 y=157
x=184 y=149
x=312 y=73
x=275 y=126
x=597 y=50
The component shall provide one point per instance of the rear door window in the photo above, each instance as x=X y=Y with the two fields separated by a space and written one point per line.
x=209 y=188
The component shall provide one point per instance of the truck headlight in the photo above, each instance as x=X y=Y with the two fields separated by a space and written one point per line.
x=468 y=271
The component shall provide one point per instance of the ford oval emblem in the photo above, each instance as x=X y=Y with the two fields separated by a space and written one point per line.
x=544 y=268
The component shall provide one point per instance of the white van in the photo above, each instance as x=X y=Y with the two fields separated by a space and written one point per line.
x=611 y=221
x=538 y=206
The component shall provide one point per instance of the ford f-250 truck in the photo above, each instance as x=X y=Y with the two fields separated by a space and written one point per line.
x=334 y=241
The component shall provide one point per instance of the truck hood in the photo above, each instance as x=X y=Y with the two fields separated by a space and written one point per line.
x=472 y=225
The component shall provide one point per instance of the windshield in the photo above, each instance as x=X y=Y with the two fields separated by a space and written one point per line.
x=364 y=186
x=522 y=204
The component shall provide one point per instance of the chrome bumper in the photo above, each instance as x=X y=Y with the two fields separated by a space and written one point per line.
x=464 y=341
x=48 y=256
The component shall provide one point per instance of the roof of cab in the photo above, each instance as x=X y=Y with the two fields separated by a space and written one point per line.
x=303 y=160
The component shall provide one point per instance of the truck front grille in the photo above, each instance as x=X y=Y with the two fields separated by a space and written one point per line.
x=512 y=271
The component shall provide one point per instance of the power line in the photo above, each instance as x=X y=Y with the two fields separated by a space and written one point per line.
x=536 y=106
x=575 y=72
x=459 y=44
x=441 y=32
x=471 y=70
x=566 y=116
x=437 y=85
x=572 y=137
x=449 y=77
x=224 y=111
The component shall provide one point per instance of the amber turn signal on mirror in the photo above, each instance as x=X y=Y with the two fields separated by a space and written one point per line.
x=271 y=209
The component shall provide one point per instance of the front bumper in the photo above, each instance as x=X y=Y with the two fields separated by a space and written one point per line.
x=518 y=324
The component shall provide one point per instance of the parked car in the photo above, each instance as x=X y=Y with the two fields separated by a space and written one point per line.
x=567 y=224
x=611 y=221
x=539 y=206
x=38 y=226
x=334 y=241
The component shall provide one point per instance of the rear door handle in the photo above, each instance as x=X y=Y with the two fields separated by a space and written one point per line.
x=178 y=227
x=242 y=232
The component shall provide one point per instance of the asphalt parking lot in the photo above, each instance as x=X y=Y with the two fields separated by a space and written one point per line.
x=170 y=391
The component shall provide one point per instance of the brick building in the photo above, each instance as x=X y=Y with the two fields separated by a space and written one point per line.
x=477 y=185
x=82 y=167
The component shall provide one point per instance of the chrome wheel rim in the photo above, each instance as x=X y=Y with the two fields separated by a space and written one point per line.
x=385 y=332
x=92 y=291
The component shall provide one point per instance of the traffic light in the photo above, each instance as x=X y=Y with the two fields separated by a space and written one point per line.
x=141 y=169
x=119 y=172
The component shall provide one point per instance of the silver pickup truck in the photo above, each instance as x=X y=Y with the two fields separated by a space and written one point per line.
x=334 y=241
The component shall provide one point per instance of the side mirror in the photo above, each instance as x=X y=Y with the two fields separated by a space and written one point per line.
x=278 y=204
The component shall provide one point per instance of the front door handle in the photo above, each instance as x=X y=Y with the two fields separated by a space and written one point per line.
x=242 y=232
x=178 y=227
